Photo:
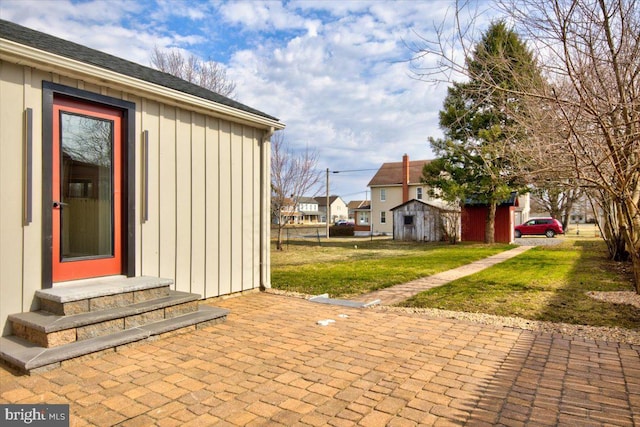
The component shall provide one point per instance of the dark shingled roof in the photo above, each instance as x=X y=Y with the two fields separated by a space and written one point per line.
x=322 y=200
x=391 y=173
x=58 y=46
x=511 y=201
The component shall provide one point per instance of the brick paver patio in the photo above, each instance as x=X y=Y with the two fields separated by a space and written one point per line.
x=272 y=364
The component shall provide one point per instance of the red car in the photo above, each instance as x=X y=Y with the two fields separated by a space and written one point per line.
x=539 y=226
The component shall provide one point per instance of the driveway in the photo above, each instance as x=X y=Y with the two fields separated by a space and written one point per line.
x=538 y=241
x=271 y=364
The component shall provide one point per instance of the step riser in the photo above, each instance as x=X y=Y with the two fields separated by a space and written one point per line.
x=103 y=302
x=96 y=315
x=24 y=356
x=58 y=338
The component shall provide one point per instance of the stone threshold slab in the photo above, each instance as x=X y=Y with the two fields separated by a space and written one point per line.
x=95 y=288
x=48 y=322
x=324 y=299
x=28 y=356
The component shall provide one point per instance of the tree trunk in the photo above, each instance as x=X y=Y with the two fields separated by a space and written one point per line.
x=490 y=225
x=635 y=263
x=630 y=214
x=566 y=215
x=279 y=238
x=612 y=237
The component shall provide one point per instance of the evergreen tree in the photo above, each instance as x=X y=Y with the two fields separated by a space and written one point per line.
x=475 y=159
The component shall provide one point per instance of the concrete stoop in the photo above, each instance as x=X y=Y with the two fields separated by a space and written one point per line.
x=96 y=315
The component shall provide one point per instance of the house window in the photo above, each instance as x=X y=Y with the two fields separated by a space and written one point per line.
x=383 y=217
x=408 y=220
x=383 y=194
x=364 y=219
x=419 y=193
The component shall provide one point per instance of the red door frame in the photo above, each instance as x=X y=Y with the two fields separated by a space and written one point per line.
x=63 y=270
x=50 y=91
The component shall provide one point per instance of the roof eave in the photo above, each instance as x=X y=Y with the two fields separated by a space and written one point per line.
x=385 y=185
x=46 y=61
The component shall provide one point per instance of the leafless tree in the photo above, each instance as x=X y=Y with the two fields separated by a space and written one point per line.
x=558 y=199
x=589 y=51
x=293 y=175
x=208 y=74
x=593 y=48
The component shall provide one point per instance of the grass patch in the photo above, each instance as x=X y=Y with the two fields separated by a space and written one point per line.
x=546 y=283
x=343 y=268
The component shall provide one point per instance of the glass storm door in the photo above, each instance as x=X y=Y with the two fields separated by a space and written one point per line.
x=87 y=196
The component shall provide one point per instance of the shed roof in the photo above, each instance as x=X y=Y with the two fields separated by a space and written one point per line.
x=78 y=52
x=437 y=204
x=511 y=201
x=391 y=173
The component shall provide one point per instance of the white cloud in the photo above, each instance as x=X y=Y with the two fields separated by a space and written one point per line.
x=40 y=12
x=345 y=92
x=334 y=72
x=264 y=16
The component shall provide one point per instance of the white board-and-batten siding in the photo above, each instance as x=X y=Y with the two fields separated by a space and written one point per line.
x=206 y=184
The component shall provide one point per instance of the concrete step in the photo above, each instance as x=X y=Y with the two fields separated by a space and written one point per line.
x=50 y=330
x=84 y=296
x=28 y=356
x=89 y=316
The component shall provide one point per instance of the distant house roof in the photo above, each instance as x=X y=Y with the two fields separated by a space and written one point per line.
x=391 y=173
x=61 y=47
x=322 y=200
x=307 y=200
x=359 y=204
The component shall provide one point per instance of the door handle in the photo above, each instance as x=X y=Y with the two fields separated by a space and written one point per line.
x=59 y=205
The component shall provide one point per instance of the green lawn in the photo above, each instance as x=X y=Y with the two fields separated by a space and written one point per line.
x=548 y=283
x=545 y=283
x=346 y=267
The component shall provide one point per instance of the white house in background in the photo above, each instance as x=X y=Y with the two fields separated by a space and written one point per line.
x=338 y=208
x=308 y=212
x=395 y=183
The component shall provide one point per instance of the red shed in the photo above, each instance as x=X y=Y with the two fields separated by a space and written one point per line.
x=474 y=218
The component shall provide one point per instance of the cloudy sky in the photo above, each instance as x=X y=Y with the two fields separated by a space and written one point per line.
x=337 y=73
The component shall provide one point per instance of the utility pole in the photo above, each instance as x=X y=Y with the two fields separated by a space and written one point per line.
x=327 y=212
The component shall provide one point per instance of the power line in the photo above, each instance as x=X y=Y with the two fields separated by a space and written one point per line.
x=357 y=192
x=356 y=170
x=388 y=167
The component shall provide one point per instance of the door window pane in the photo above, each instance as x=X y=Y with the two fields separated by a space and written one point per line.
x=86 y=228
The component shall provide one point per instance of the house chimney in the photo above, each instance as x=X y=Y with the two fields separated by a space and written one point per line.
x=405 y=178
